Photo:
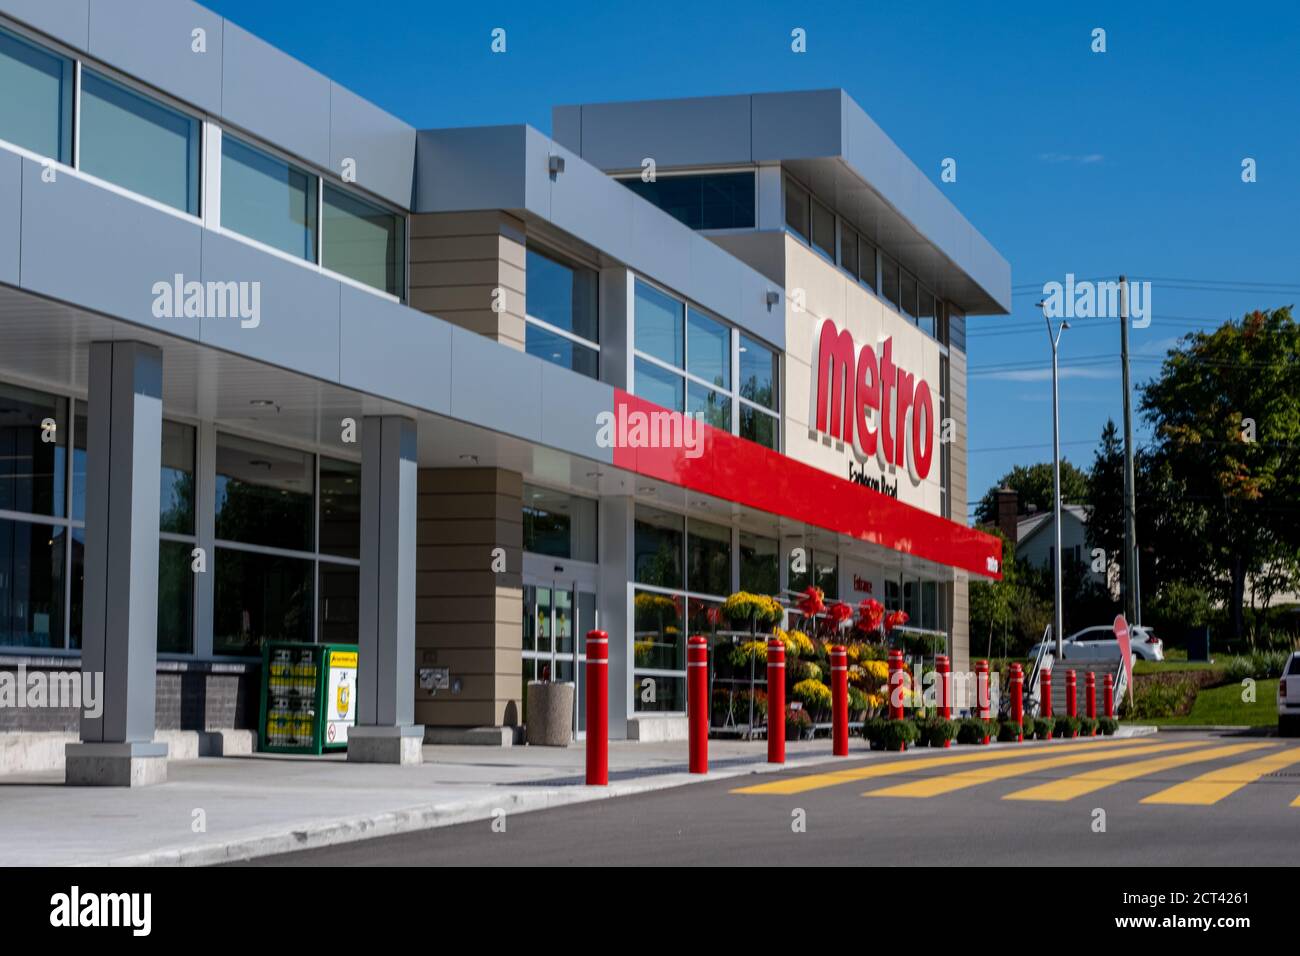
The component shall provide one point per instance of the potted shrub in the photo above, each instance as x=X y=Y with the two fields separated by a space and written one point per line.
x=874 y=730
x=1027 y=727
x=1066 y=727
x=897 y=734
x=935 y=731
x=1088 y=726
x=1008 y=731
x=797 y=724
x=1043 y=728
x=970 y=731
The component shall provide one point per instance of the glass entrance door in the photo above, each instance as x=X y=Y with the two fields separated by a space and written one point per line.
x=558 y=612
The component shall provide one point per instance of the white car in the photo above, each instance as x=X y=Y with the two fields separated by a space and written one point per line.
x=1099 y=643
x=1288 y=698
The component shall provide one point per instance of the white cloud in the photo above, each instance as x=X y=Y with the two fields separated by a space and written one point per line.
x=1045 y=374
x=1085 y=159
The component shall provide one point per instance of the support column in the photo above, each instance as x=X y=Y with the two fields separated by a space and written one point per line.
x=469 y=628
x=616 y=530
x=120 y=629
x=386 y=731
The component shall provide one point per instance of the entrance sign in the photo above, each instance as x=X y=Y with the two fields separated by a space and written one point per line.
x=1126 y=651
x=864 y=402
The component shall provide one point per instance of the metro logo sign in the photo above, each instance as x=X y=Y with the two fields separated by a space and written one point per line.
x=864 y=402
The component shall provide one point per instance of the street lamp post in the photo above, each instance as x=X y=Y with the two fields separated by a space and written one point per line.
x=1057 y=612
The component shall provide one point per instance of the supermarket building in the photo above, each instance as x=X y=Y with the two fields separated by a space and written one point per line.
x=279 y=366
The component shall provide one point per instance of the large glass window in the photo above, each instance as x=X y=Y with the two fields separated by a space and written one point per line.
x=175 y=550
x=562 y=313
x=36 y=108
x=797 y=210
x=364 y=242
x=708 y=558
x=702 y=200
x=260 y=597
x=267 y=199
x=889 y=280
x=760 y=571
x=264 y=494
x=925 y=315
x=759 y=394
x=656 y=384
x=823 y=230
x=559 y=524
x=33 y=445
x=340 y=508
x=138 y=143
x=867 y=263
x=909 y=287
x=848 y=249
x=819 y=567
x=708 y=347
x=660 y=327
x=659 y=536
x=32 y=561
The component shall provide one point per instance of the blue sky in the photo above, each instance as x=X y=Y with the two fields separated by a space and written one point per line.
x=1067 y=160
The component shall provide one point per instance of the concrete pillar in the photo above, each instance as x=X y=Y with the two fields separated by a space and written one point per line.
x=120 y=628
x=386 y=731
x=470 y=602
x=617 y=546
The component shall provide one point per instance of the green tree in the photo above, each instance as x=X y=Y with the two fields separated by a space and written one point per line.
x=1033 y=483
x=1106 y=496
x=1225 y=411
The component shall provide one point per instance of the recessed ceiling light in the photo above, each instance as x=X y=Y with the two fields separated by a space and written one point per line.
x=262 y=403
x=473 y=458
x=259 y=463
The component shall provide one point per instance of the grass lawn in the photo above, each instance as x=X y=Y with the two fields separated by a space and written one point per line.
x=1223 y=706
x=1171 y=667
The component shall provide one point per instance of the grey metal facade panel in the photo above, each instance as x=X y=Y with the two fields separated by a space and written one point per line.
x=91 y=247
x=299 y=320
x=272 y=95
x=382 y=146
x=570 y=402
x=388 y=349
x=11 y=209
x=495 y=386
x=65 y=20
x=566 y=127
x=588 y=204
x=666 y=253
x=799 y=125
x=703 y=131
x=470 y=168
x=152 y=40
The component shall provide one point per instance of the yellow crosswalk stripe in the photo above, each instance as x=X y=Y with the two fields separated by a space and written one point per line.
x=935 y=786
x=1296 y=802
x=1212 y=787
x=885 y=768
x=1084 y=783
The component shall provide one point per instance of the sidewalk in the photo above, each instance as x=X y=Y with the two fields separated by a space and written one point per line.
x=263 y=804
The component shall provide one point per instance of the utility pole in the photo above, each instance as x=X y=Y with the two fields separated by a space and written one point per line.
x=1058 y=611
x=1132 y=599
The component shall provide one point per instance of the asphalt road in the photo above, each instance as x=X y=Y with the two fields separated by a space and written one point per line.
x=946 y=808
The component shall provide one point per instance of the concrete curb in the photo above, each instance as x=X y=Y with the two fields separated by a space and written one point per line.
x=524 y=798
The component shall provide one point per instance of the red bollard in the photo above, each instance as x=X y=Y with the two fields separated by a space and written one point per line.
x=1090 y=696
x=775 y=701
x=896 y=675
x=982 y=693
x=597 y=708
x=943 y=667
x=1017 y=700
x=839 y=701
x=1071 y=697
x=1109 y=685
x=697 y=702
x=1045 y=684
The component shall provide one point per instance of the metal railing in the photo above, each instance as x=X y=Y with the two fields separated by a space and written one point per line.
x=1033 y=685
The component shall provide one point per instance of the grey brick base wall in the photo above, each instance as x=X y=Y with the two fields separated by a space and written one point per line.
x=191 y=695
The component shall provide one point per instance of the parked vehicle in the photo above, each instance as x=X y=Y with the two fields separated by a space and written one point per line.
x=1288 y=698
x=1098 y=644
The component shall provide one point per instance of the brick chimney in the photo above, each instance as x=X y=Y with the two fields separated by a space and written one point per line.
x=1008 y=512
